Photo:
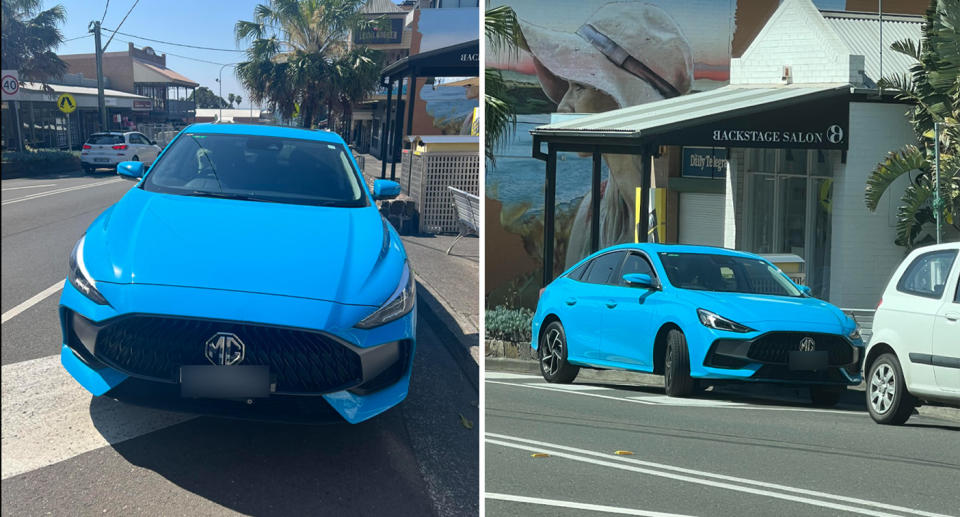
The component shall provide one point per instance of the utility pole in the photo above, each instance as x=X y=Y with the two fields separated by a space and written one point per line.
x=101 y=103
x=937 y=202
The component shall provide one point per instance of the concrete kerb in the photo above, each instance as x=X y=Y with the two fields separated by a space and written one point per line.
x=521 y=366
x=456 y=332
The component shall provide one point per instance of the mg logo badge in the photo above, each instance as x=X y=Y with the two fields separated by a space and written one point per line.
x=224 y=349
x=807 y=344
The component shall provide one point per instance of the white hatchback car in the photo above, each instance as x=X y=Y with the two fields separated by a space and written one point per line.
x=914 y=353
x=106 y=150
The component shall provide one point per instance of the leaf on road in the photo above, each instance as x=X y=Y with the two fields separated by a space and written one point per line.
x=466 y=422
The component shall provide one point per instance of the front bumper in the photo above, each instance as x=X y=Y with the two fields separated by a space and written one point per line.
x=776 y=357
x=150 y=331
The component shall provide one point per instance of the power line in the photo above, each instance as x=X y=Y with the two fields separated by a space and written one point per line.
x=177 y=44
x=78 y=37
x=104 y=17
x=178 y=55
x=118 y=26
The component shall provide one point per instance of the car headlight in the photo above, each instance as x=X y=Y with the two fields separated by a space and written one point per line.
x=715 y=321
x=397 y=305
x=855 y=333
x=79 y=277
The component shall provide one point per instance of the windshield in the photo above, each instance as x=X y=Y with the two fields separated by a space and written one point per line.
x=105 y=139
x=257 y=168
x=726 y=273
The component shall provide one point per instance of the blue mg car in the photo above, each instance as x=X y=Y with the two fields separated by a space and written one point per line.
x=697 y=315
x=249 y=263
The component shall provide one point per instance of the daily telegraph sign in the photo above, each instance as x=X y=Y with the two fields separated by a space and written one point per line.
x=817 y=124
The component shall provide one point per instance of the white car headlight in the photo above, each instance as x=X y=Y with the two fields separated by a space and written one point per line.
x=855 y=333
x=397 y=305
x=715 y=321
x=79 y=277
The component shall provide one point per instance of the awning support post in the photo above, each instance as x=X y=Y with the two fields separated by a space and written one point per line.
x=397 y=132
x=643 y=231
x=549 y=209
x=595 y=205
x=385 y=134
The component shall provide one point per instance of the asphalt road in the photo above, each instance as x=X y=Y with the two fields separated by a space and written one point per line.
x=65 y=453
x=552 y=450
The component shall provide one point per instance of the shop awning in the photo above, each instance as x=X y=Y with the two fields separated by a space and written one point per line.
x=734 y=108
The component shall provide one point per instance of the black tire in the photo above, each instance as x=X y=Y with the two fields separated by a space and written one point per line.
x=87 y=168
x=888 y=408
x=554 y=367
x=676 y=366
x=826 y=396
x=135 y=158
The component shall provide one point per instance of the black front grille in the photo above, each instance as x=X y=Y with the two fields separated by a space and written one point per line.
x=775 y=347
x=156 y=347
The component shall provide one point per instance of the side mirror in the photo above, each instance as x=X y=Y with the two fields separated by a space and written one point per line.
x=385 y=189
x=805 y=289
x=640 y=280
x=132 y=170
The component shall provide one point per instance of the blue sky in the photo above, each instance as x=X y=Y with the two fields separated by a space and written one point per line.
x=198 y=22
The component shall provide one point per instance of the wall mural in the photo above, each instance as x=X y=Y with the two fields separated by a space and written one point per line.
x=666 y=48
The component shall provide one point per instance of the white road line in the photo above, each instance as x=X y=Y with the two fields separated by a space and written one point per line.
x=60 y=191
x=49 y=418
x=30 y=186
x=505 y=375
x=654 y=400
x=33 y=300
x=627 y=463
x=577 y=506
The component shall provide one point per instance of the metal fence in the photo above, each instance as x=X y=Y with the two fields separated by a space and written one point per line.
x=864 y=317
x=425 y=178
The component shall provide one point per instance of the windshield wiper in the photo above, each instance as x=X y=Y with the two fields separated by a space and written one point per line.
x=228 y=195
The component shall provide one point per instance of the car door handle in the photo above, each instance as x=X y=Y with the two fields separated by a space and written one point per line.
x=952 y=316
x=571 y=301
x=611 y=304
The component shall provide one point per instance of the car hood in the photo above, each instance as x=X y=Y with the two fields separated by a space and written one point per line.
x=323 y=253
x=753 y=309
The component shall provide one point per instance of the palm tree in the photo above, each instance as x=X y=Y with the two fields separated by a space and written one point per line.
x=503 y=37
x=29 y=39
x=294 y=49
x=238 y=99
x=29 y=36
x=230 y=98
x=933 y=87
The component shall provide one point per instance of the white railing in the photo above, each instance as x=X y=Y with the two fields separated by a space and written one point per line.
x=865 y=318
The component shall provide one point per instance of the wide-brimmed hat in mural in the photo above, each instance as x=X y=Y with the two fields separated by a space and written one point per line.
x=619 y=45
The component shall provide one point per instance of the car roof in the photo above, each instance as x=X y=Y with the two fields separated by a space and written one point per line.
x=650 y=247
x=114 y=133
x=260 y=130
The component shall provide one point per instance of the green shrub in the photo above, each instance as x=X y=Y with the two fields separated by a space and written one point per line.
x=509 y=324
x=16 y=163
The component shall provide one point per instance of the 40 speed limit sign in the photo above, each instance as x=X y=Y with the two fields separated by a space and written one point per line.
x=10 y=84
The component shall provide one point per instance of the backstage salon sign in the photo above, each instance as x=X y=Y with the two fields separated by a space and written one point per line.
x=816 y=124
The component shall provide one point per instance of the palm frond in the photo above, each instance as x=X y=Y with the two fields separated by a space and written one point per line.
x=896 y=164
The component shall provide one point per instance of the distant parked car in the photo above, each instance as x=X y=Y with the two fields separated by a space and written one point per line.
x=698 y=315
x=106 y=150
x=914 y=353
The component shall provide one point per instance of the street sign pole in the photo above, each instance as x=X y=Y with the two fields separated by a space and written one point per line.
x=16 y=112
x=69 y=136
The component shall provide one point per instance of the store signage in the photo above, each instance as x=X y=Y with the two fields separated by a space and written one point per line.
x=142 y=105
x=815 y=124
x=704 y=162
x=387 y=31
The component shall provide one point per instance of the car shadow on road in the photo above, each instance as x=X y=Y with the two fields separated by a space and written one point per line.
x=264 y=468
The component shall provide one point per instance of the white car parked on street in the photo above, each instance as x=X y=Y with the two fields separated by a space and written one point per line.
x=914 y=354
x=106 y=150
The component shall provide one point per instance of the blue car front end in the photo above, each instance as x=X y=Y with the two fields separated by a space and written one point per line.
x=320 y=297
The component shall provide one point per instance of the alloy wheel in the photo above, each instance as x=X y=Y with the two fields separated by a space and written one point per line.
x=882 y=388
x=551 y=354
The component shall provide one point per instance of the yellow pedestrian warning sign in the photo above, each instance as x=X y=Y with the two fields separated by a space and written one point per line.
x=66 y=103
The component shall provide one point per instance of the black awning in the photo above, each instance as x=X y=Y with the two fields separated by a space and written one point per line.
x=460 y=60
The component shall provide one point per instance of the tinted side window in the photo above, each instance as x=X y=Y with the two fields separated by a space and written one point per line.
x=603 y=267
x=635 y=264
x=956 y=297
x=139 y=139
x=927 y=274
x=576 y=274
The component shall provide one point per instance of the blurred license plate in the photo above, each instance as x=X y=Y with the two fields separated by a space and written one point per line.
x=815 y=360
x=101 y=160
x=223 y=382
